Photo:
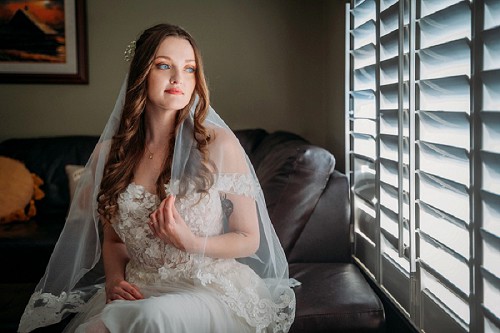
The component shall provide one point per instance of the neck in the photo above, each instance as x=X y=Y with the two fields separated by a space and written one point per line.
x=159 y=127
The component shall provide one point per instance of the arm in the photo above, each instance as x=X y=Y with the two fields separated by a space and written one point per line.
x=115 y=257
x=241 y=240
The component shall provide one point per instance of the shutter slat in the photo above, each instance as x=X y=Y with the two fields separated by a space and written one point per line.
x=445 y=26
x=446 y=262
x=491 y=212
x=442 y=194
x=389 y=20
x=491 y=131
x=491 y=253
x=445 y=162
x=491 y=49
x=491 y=296
x=364 y=56
x=364 y=78
x=384 y=4
x=444 y=297
x=363 y=13
x=429 y=7
x=390 y=252
x=491 y=14
x=445 y=94
x=445 y=229
x=389 y=45
x=450 y=59
x=491 y=172
x=364 y=104
x=364 y=145
x=456 y=124
x=364 y=35
x=491 y=90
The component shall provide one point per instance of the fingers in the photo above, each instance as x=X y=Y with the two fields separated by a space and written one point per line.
x=123 y=291
x=162 y=218
x=169 y=208
x=137 y=291
x=132 y=291
x=156 y=219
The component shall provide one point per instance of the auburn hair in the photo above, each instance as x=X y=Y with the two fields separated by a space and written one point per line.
x=128 y=144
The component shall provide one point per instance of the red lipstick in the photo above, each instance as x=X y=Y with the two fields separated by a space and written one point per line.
x=174 y=91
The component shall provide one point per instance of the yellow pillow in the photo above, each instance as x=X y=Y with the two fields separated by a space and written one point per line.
x=18 y=191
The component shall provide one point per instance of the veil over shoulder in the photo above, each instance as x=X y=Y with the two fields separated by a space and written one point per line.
x=74 y=273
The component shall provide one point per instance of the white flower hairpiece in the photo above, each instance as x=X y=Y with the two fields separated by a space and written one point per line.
x=129 y=51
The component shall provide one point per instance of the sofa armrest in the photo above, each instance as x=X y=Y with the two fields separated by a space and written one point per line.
x=326 y=236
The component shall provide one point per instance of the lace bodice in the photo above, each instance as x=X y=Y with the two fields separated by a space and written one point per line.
x=151 y=256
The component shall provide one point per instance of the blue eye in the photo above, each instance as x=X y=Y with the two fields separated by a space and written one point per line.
x=191 y=70
x=163 y=66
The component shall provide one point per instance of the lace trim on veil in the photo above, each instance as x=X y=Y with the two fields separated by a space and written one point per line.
x=44 y=309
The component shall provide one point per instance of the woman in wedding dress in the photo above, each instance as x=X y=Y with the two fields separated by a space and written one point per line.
x=171 y=206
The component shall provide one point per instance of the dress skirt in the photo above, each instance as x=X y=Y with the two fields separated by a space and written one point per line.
x=173 y=309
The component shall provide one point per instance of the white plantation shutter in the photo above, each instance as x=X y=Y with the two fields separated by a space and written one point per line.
x=443 y=109
x=488 y=165
x=424 y=156
x=364 y=130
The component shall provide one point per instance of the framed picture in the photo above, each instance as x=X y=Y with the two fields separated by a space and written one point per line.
x=43 y=41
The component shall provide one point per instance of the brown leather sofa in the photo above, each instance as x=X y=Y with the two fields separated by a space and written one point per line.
x=307 y=201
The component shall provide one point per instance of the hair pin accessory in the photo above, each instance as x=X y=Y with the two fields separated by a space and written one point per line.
x=129 y=51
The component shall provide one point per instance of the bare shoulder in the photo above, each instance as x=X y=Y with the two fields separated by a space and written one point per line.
x=226 y=152
x=225 y=139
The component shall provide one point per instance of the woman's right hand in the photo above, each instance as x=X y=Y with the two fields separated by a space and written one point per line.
x=121 y=289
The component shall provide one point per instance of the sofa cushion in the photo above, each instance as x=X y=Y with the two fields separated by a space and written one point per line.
x=334 y=297
x=74 y=173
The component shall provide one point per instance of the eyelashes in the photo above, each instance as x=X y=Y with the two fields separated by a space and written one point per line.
x=163 y=66
x=188 y=69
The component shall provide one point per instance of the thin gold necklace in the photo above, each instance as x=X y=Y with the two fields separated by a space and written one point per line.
x=150 y=156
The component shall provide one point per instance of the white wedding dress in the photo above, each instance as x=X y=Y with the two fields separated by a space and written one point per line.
x=183 y=292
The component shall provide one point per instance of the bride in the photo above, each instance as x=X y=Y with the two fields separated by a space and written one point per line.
x=171 y=206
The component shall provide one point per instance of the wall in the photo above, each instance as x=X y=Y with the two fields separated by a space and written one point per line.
x=278 y=65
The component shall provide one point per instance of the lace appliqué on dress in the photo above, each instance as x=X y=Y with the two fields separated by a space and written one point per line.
x=246 y=294
x=237 y=183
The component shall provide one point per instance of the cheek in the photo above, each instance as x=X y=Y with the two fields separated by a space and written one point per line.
x=154 y=82
x=192 y=85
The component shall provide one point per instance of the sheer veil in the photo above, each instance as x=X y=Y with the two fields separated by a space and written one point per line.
x=74 y=272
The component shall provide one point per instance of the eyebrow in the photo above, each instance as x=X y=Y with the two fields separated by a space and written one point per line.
x=168 y=58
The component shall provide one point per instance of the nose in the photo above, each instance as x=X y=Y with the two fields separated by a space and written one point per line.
x=175 y=78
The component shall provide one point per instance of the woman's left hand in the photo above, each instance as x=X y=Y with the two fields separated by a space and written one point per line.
x=170 y=227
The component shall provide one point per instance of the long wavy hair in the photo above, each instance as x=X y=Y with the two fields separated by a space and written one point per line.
x=128 y=144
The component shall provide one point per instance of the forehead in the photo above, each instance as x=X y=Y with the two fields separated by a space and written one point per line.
x=175 y=48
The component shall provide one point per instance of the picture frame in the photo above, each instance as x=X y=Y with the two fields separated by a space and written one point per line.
x=43 y=44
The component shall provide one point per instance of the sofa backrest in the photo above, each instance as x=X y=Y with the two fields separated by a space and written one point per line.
x=306 y=198
x=47 y=158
